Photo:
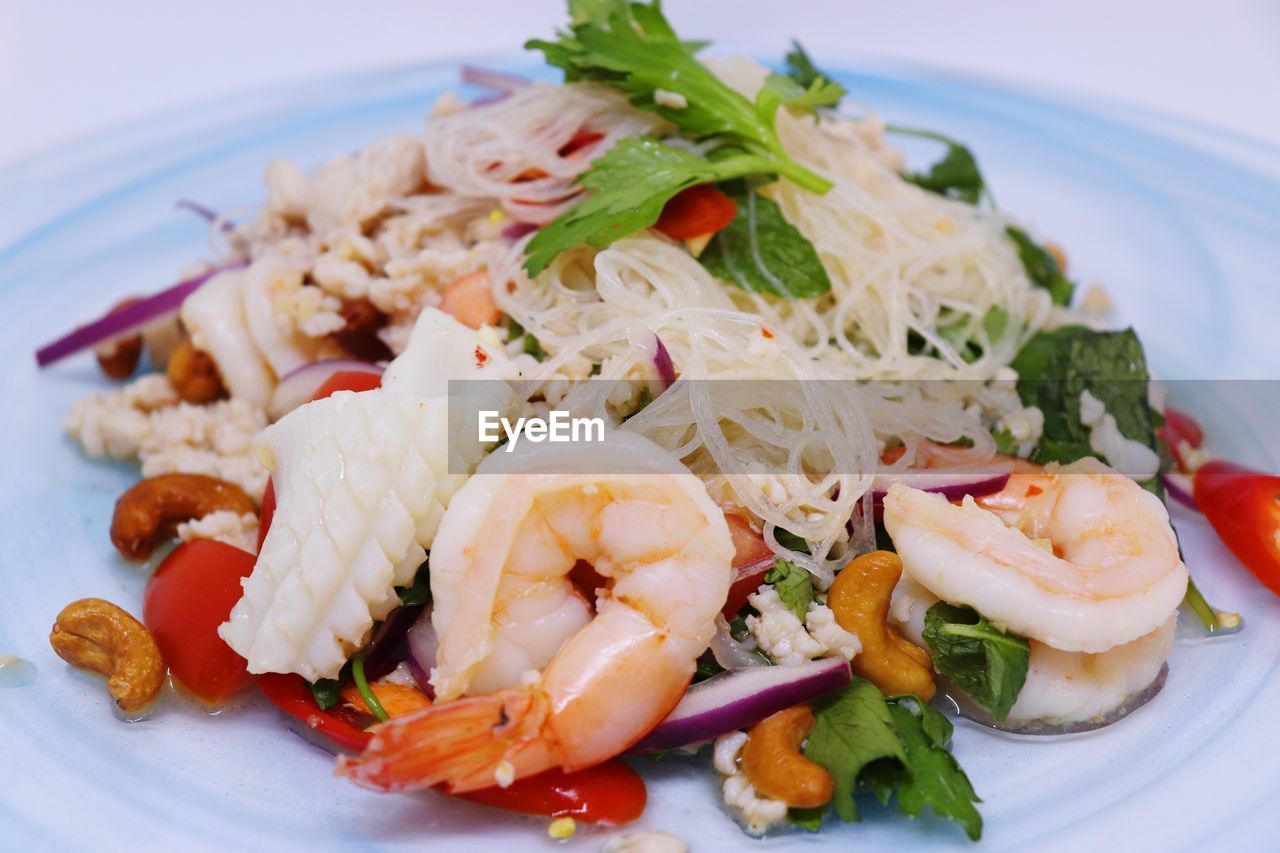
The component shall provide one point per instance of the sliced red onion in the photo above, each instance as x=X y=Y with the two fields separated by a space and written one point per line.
x=205 y=213
x=1179 y=488
x=422 y=645
x=516 y=230
x=499 y=81
x=662 y=361
x=952 y=483
x=298 y=386
x=128 y=320
x=384 y=650
x=743 y=697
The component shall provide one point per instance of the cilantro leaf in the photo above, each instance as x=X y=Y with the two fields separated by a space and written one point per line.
x=889 y=745
x=1041 y=267
x=631 y=184
x=983 y=661
x=326 y=691
x=761 y=252
x=935 y=778
x=801 y=69
x=1055 y=367
x=793 y=584
x=631 y=47
x=955 y=176
x=852 y=730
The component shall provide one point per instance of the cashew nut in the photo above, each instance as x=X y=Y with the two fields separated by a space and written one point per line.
x=360 y=335
x=150 y=512
x=194 y=374
x=97 y=635
x=119 y=358
x=859 y=597
x=772 y=761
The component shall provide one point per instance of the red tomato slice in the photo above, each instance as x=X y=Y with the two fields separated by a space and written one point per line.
x=348 y=380
x=580 y=140
x=696 y=211
x=1179 y=429
x=188 y=597
x=291 y=694
x=609 y=793
x=752 y=559
x=1244 y=508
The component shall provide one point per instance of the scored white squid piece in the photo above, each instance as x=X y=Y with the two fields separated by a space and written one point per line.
x=362 y=480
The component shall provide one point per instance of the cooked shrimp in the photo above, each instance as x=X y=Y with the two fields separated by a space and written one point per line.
x=504 y=604
x=1113 y=574
x=1061 y=687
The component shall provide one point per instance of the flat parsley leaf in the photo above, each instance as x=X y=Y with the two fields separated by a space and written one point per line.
x=801 y=69
x=983 y=661
x=1042 y=268
x=793 y=584
x=934 y=777
x=852 y=730
x=886 y=746
x=631 y=47
x=761 y=252
x=631 y=184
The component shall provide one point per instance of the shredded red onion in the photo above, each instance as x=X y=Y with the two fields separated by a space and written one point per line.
x=128 y=319
x=422 y=644
x=516 y=230
x=662 y=361
x=384 y=650
x=1180 y=490
x=499 y=81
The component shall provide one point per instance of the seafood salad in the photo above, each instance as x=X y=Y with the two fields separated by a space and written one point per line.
x=859 y=459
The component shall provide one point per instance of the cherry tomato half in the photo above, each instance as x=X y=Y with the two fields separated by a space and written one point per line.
x=1244 y=508
x=189 y=596
x=752 y=559
x=696 y=211
x=348 y=380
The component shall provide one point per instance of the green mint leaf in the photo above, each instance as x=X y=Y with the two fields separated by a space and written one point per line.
x=327 y=692
x=1055 y=367
x=793 y=584
x=955 y=176
x=983 y=661
x=595 y=11
x=761 y=252
x=801 y=69
x=853 y=730
x=935 y=778
x=1041 y=267
x=810 y=820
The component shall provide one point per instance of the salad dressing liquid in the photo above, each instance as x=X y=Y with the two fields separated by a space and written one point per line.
x=16 y=671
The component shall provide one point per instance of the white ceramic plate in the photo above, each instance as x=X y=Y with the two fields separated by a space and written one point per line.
x=1187 y=241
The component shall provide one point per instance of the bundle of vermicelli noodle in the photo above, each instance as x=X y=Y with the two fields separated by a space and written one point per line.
x=922 y=288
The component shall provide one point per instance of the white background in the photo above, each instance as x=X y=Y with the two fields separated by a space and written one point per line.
x=70 y=68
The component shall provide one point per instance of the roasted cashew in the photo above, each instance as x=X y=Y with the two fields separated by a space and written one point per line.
x=360 y=335
x=194 y=374
x=150 y=511
x=97 y=635
x=119 y=358
x=772 y=761
x=859 y=597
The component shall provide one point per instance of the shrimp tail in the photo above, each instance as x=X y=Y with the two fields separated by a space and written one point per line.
x=462 y=745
